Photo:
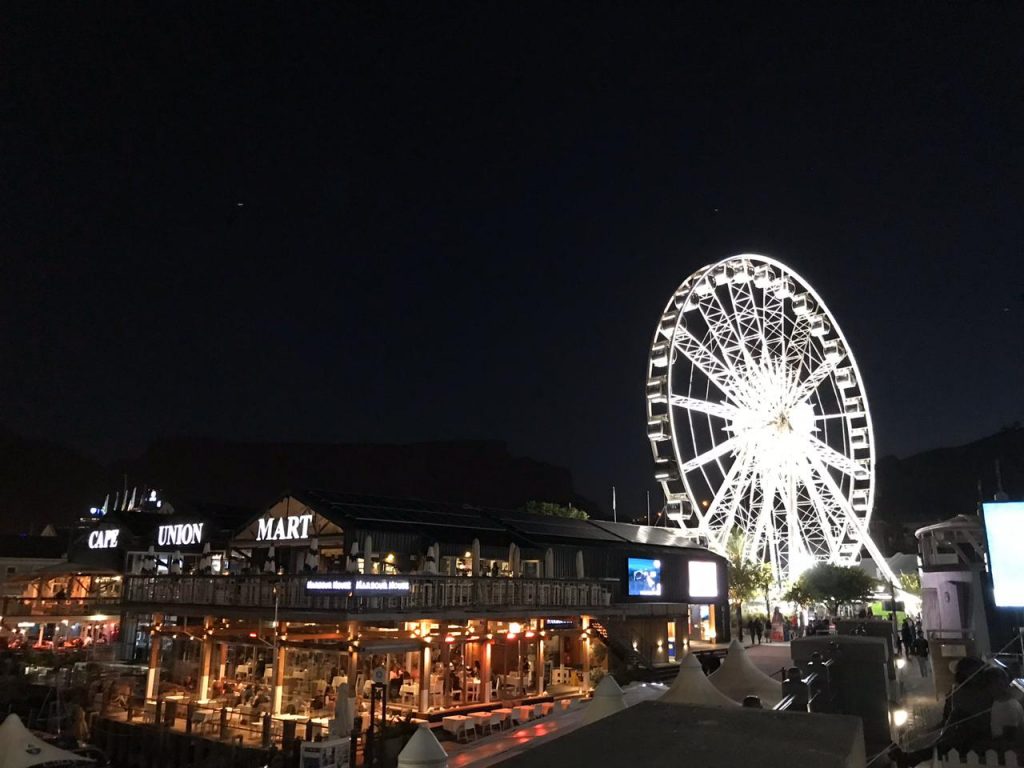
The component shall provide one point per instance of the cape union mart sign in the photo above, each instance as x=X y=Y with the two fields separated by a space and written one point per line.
x=104 y=539
x=283 y=528
x=358 y=586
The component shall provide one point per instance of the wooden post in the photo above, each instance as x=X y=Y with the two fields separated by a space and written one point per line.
x=485 y=668
x=586 y=653
x=206 y=659
x=153 y=675
x=425 y=676
x=279 y=679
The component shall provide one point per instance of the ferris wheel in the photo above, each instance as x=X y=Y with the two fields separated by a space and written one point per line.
x=758 y=419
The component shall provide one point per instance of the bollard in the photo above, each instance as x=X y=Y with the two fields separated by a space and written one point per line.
x=223 y=722
x=423 y=751
x=189 y=712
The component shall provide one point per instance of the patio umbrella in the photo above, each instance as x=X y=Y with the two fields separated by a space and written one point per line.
x=368 y=555
x=313 y=555
x=269 y=565
x=430 y=560
x=344 y=713
x=150 y=564
x=475 y=564
x=580 y=572
x=353 y=558
x=549 y=564
x=176 y=562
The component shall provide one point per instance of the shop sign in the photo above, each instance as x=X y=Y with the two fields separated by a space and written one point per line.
x=358 y=585
x=559 y=623
x=179 y=534
x=284 y=528
x=104 y=539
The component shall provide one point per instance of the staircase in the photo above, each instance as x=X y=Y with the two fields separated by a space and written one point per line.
x=624 y=651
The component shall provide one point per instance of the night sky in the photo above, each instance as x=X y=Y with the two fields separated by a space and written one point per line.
x=388 y=223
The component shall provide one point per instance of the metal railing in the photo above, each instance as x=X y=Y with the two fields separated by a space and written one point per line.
x=424 y=593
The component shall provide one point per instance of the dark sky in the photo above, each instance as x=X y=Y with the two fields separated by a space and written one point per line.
x=387 y=223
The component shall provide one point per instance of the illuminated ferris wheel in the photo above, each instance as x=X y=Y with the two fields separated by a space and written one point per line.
x=758 y=419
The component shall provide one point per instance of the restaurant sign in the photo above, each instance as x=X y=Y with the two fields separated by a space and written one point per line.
x=551 y=624
x=358 y=585
x=287 y=528
x=104 y=539
x=179 y=534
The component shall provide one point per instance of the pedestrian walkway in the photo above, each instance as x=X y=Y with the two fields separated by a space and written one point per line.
x=493 y=749
x=924 y=710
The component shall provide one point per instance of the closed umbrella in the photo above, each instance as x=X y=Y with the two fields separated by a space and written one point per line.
x=206 y=561
x=269 y=565
x=475 y=563
x=313 y=555
x=549 y=564
x=176 y=562
x=344 y=713
x=430 y=565
x=580 y=573
x=512 y=559
x=437 y=557
x=150 y=565
x=353 y=558
x=368 y=555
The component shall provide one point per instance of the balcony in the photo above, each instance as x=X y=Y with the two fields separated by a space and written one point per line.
x=425 y=595
x=31 y=607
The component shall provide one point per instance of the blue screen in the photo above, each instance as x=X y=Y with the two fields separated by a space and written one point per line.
x=644 y=577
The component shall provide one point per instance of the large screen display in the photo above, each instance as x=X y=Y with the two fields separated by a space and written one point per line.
x=1004 y=530
x=644 y=577
x=703 y=579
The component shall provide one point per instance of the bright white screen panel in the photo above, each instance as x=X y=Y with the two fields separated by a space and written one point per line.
x=1004 y=529
x=703 y=578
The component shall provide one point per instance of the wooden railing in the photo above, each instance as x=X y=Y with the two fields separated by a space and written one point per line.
x=424 y=593
x=49 y=606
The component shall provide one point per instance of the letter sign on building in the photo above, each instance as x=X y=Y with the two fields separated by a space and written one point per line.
x=104 y=539
x=179 y=534
x=287 y=528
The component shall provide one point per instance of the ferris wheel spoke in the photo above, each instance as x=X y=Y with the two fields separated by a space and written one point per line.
x=721 y=515
x=834 y=495
x=763 y=520
x=820 y=506
x=832 y=457
x=724 y=447
x=824 y=369
x=721 y=410
x=716 y=371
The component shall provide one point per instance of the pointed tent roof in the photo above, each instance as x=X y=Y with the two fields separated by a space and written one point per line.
x=19 y=748
x=738 y=677
x=692 y=686
x=608 y=700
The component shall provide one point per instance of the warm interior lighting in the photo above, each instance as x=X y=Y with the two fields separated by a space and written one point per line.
x=899 y=717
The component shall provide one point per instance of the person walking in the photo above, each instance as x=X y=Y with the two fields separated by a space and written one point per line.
x=920 y=649
x=908 y=636
x=759 y=629
x=751 y=626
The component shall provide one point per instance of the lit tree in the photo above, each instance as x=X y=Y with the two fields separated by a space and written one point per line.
x=833 y=585
x=747 y=579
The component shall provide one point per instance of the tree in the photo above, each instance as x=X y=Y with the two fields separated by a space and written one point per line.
x=833 y=585
x=911 y=583
x=747 y=579
x=552 y=509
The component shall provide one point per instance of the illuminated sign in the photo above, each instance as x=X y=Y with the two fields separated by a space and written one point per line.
x=358 y=585
x=1004 y=524
x=284 y=528
x=644 y=577
x=559 y=623
x=703 y=578
x=179 y=534
x=104 y=539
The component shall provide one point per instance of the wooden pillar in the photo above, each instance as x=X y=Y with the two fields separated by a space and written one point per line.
x=206 y=659
x=485 y=668
x=425 y=677
x=585 y=644
x=279 y=679
x=540 y=664
x=153 y=675
x=222 y=665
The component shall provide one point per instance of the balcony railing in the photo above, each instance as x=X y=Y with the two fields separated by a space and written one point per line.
x=49 y=606
x=425 y=593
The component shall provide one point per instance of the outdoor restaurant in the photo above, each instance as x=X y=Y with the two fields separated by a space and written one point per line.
x=459 y=614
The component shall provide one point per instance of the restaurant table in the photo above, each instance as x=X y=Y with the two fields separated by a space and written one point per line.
x=457 y=725
x=472 y=690
x=522 y=714
x=505 y=715
x=411 y=690
x=485 y=720
x=338 y=680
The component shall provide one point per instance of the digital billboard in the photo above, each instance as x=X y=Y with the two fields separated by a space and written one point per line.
x=644 y=577
x=1004 y=532
x=703 y=578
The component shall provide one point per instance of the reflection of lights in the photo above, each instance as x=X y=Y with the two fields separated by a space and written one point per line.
x=899 y=717
x=901 y=663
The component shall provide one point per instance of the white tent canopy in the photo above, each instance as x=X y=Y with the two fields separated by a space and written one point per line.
x=738 y=677
x=608 y=700
x=692 y=686
x=20 y=749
